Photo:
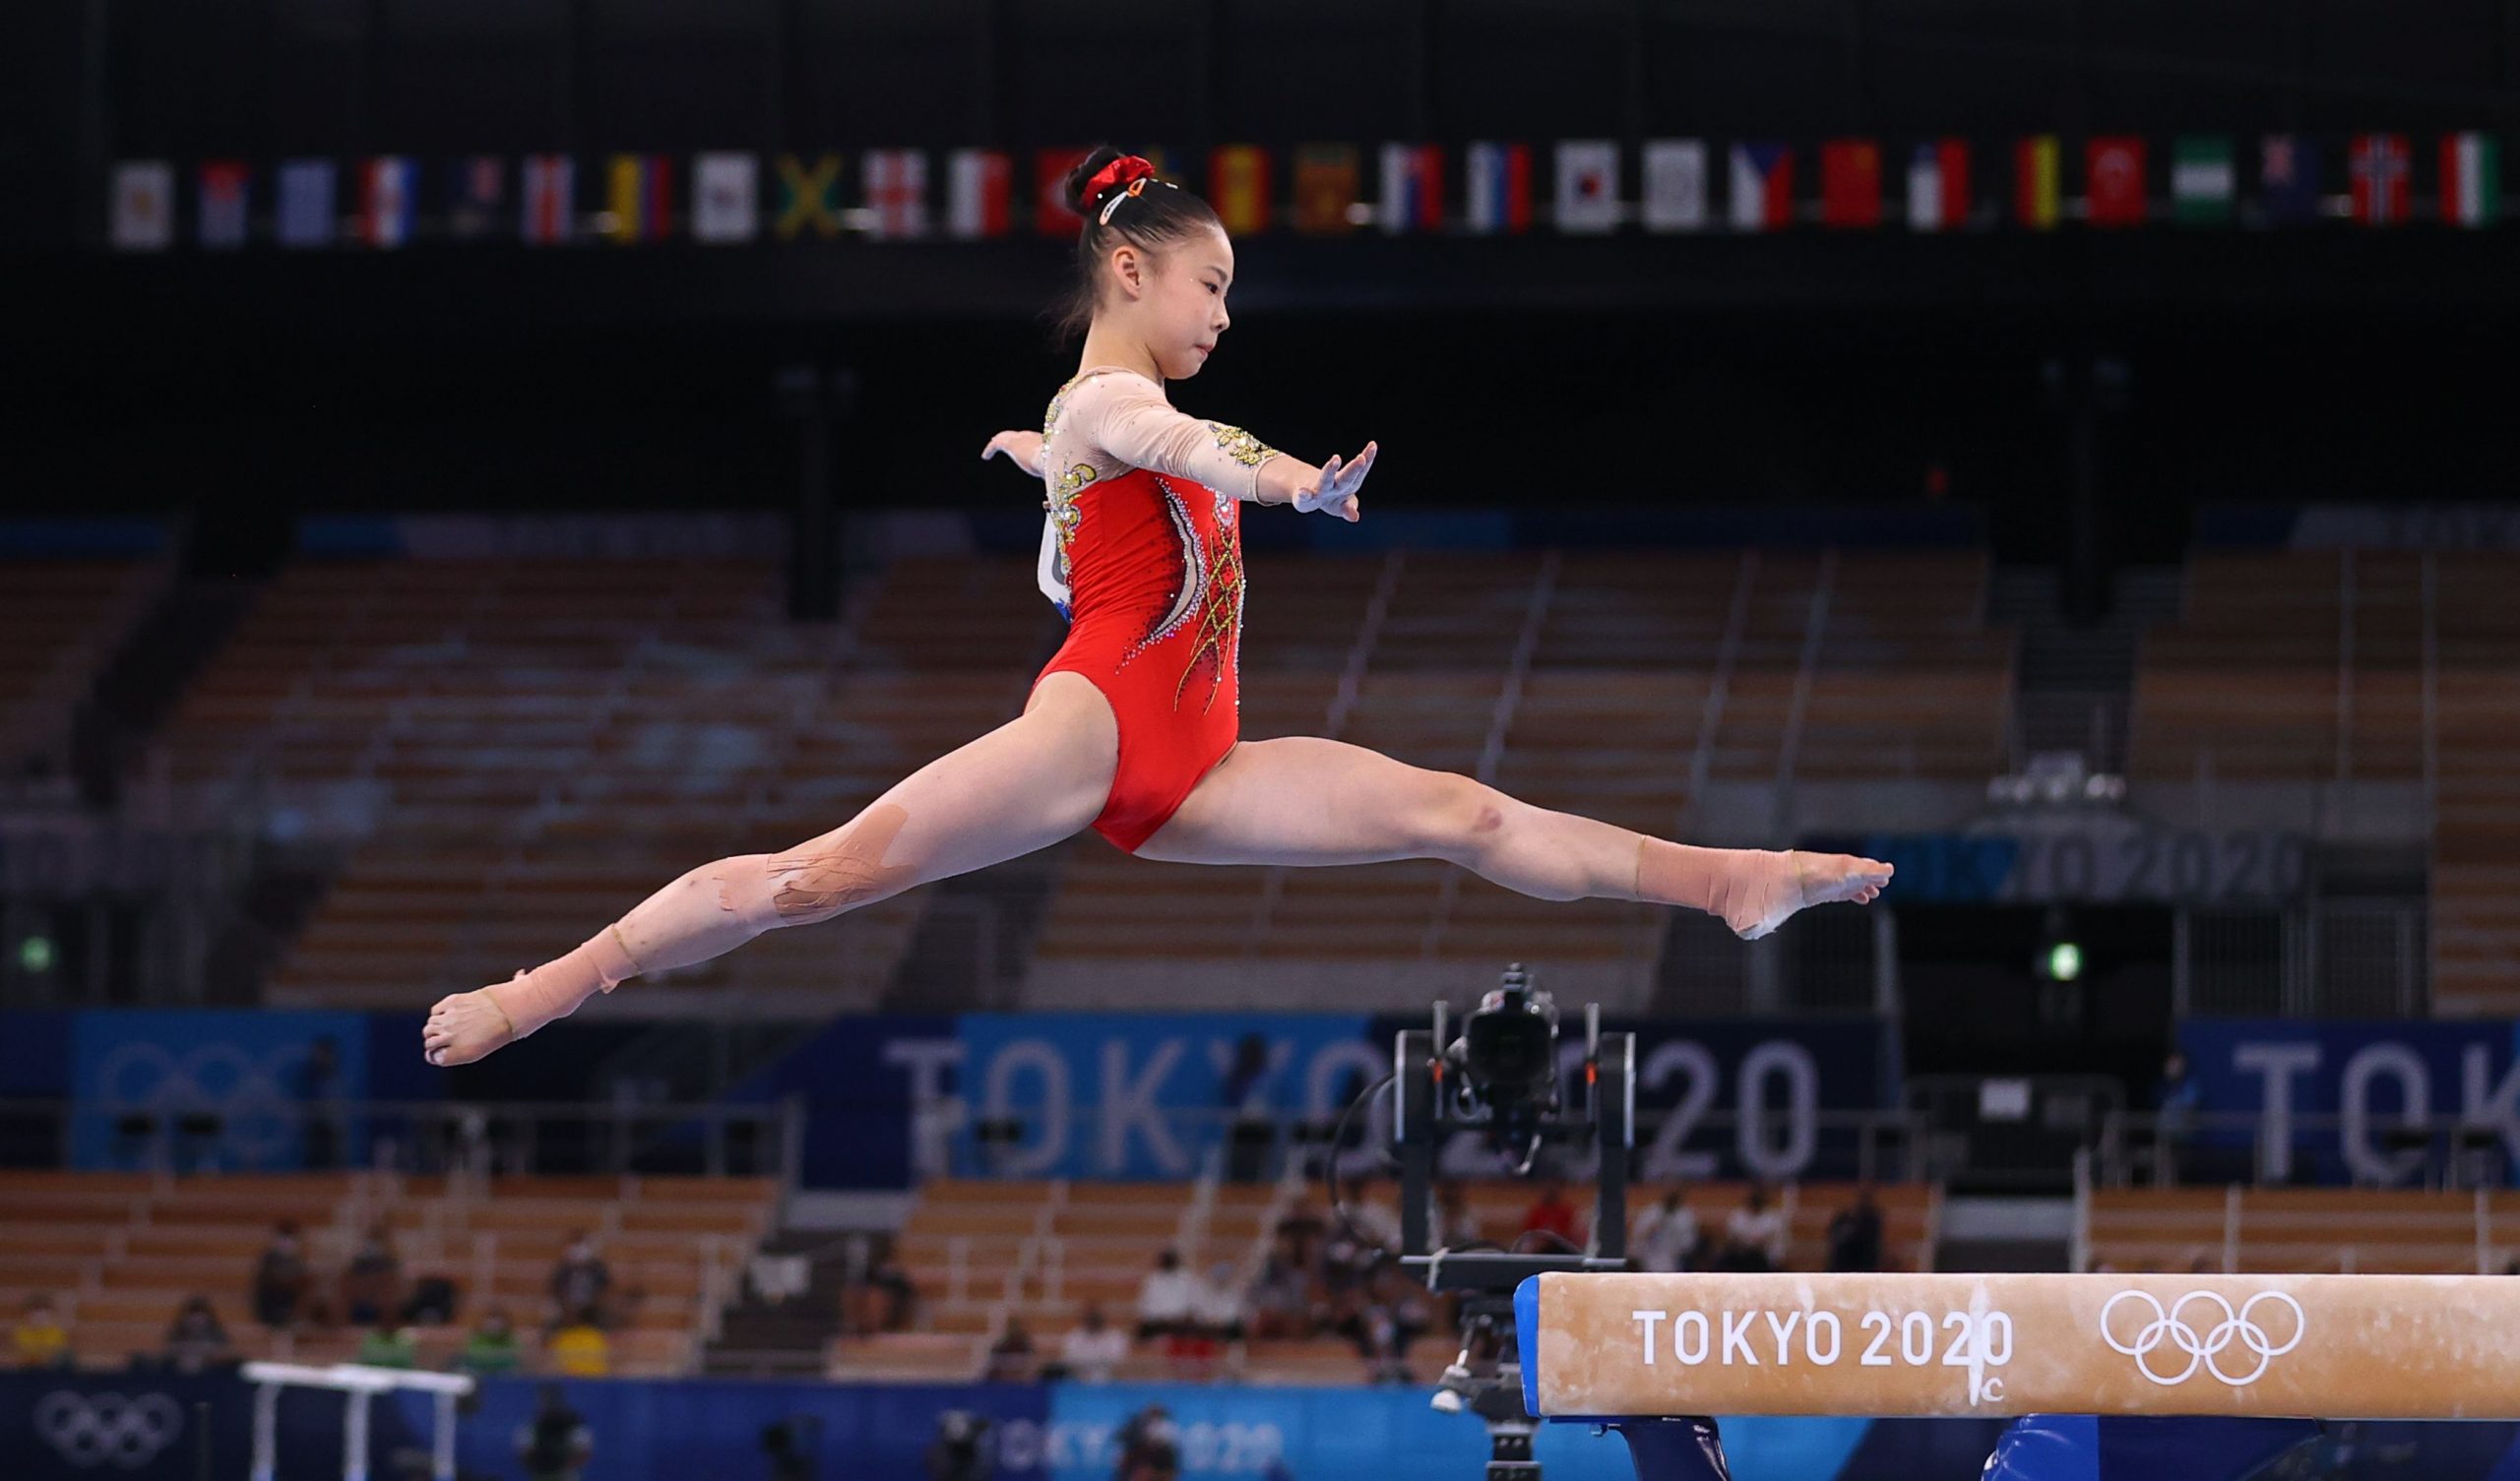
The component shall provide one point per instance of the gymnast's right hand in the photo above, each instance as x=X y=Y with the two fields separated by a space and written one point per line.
x=464 y=1028
x=1331 y=487
x=1022 y=449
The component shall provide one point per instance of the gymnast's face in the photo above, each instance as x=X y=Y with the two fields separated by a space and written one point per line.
x=1177 y=298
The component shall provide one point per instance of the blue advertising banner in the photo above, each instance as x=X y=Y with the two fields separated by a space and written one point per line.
x=242 y=1081
x=710 y=1428
x=1147 y=1095
x=1262 y=1434
x=162 y=1427
x=2098 y=859
x=2323 y=1093
x=1143 y=1095
x=1729 y=1098
x=873 y=1087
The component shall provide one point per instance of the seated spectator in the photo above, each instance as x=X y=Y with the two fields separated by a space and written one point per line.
x=196 y=1341
x=1855 y=1234
x=1167 y=1298
x=492 y=1347
x=386 y=1345
x=1011 y=1359
x=1218 y=1308
x=1754 y=1235
x=1666 y=1235
x=579 y=1348
x=1094 y=1348
x=282 y=1278
x=1279 y=1299
x=432 y=1302
x=1194 y=1346
x=884 y=1300
x=372 y=1281
x=580 y=1280
x=39 y=1339
x=1304 y=1222
x=1551 y=1214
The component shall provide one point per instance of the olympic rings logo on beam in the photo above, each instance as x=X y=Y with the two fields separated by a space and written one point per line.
x=107 y=1429
x=2204 y=1350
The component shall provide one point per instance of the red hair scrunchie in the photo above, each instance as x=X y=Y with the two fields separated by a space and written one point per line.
x=1124 y=171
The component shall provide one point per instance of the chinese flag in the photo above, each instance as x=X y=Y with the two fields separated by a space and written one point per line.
x=1851 y=183
x=1238 y=188
x=2115 y=171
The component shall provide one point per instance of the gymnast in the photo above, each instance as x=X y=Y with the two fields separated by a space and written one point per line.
x=1131 y=729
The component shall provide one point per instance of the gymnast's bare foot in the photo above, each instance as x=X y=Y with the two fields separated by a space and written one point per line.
x=1791 y=881
x=466 y=1026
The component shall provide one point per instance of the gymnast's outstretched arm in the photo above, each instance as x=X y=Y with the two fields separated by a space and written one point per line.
x=1127 y=417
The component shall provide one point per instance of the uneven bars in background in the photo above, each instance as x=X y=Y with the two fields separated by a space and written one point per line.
x=357 y=1385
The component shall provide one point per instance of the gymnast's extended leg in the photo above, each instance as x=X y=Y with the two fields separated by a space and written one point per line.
x=1025 y=785
x=1300 y=800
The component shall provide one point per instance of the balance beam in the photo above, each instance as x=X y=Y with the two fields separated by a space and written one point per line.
x=1996 y=1345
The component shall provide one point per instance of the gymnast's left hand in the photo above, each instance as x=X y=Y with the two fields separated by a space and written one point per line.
x=1333 y=489
x=1022 y=449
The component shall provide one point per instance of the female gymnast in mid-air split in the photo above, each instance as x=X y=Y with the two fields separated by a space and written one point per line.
x=1131 y=729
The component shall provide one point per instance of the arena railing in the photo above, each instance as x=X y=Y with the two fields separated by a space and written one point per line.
x=1156 y=1145
x=242 y=1132
x=2378 y=1149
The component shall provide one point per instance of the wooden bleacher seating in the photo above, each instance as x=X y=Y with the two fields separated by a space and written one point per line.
x=59 y=623
x=2316 y=1230
x=979 y=1251
x=119 y=1253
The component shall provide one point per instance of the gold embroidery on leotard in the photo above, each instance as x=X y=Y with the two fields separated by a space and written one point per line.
x=1240 y=446
x=1065 y=515
x=1221 y=617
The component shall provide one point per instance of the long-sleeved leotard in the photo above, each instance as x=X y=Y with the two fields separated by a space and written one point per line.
x=1142 y=551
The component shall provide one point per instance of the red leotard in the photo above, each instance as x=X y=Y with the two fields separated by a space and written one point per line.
x=1147 y=561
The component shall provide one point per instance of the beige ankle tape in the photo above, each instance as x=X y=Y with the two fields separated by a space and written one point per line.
x=554 y=990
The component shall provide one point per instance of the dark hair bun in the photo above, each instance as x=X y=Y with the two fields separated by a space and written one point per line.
x=1086 y=169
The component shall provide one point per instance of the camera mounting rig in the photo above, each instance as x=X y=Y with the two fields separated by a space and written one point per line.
x=1502 y=1076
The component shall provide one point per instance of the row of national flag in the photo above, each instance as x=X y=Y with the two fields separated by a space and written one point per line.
x=1593 y=186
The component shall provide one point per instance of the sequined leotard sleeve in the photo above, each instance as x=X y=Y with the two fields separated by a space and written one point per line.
x=1108 y=421
x=1127 y=418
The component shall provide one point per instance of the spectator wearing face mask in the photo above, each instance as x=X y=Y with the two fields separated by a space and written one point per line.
x=1094 y=1348
x=282 y=1278
x=580 y=1280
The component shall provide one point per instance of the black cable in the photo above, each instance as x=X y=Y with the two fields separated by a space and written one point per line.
x=1330 y=1169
